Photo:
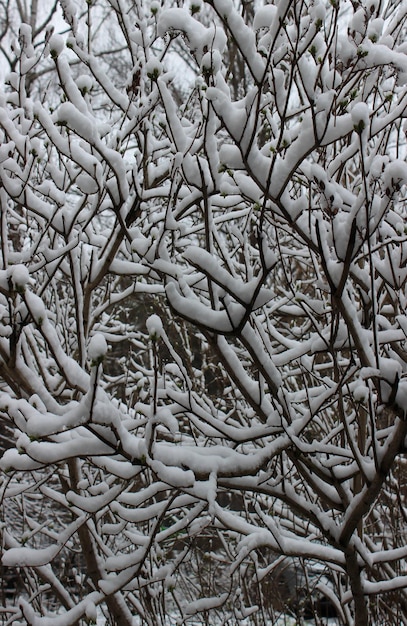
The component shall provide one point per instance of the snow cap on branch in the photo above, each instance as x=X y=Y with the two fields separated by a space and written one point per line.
x=154 y=326
x=19 y=277
x=97 y=348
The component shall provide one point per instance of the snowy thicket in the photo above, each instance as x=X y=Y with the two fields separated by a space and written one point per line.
x=203 y=331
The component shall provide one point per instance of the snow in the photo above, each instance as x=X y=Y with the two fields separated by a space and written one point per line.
x=23 y=557
x=97 y=347
x=205 y=604
x=395 y=175
x=84 y=82
x=35 y=557
x=166 y=418
x=246 y=211
x=68 y=114
x=153 y=68
x=199 y=37
x=56 y=44
x=91 y=611
x=230 y=156
x=154 y=326
x=87 y=184
x=94 y=503
x=242 y=292
x=174 y=476
x=264 y=17
x=191 y=309
x=19 y=277
x=360 y=116
x=401 y=396
x=36 y=307
x=211 y=62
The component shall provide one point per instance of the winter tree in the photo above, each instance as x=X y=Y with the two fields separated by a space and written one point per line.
x=203 y=331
